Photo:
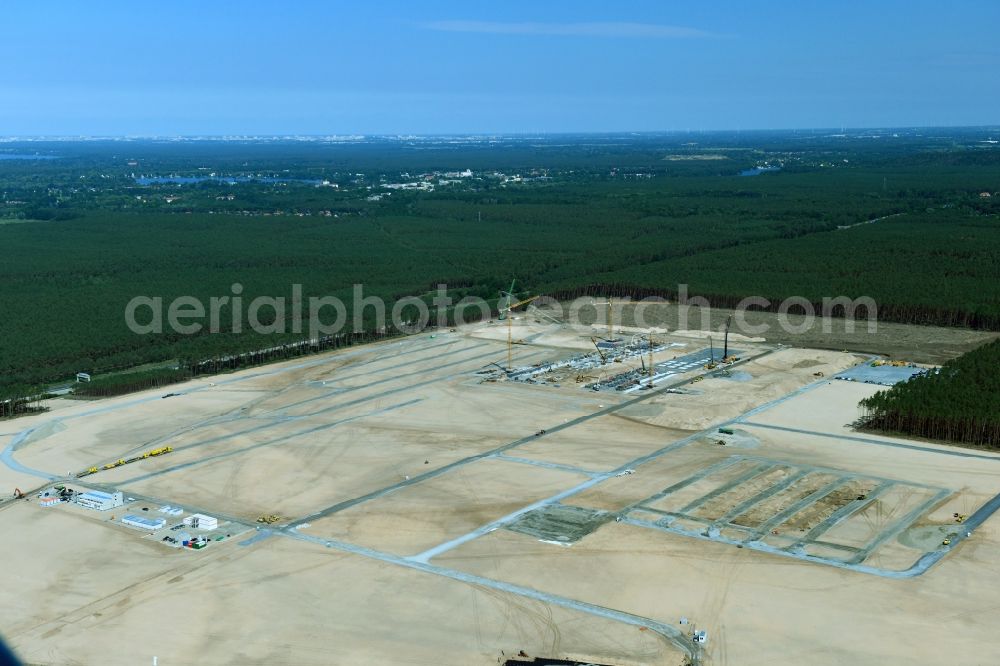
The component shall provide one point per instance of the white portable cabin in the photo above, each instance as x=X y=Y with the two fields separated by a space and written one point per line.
x=100 y=501
x=142 y=523
x=201 y=522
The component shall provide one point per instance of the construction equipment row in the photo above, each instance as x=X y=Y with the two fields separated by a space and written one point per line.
x=895 y=364
x=125 y=461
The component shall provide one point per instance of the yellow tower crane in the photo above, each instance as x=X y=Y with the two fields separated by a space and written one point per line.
x=651 y=371
x=505 y=313
x=611 y=322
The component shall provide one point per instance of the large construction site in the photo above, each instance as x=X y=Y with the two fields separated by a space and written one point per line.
x=508 y=491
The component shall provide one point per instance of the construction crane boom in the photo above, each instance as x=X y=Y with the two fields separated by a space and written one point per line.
x=711 y=365
x=510 y=297
x=611 y=321
x=511 y=306
x=604 y=359
x=510 y=333
x=651 y=371
x=725 y=346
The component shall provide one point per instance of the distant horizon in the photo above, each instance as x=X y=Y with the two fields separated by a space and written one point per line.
x=10 y=138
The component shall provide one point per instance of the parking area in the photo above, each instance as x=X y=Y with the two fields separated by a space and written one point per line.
x=883 y=374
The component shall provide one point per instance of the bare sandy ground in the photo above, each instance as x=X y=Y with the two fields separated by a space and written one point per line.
x=755 y=383
x=760 y=609
x=830 y=408
x=419 y=517
x=62 y=560
x=605 y=444
x=115 y=599
x=921 y=344
x=9 y=479
x=82 y=442
x=299 y=438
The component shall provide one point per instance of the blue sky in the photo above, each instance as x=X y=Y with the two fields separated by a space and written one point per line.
x=255 y=67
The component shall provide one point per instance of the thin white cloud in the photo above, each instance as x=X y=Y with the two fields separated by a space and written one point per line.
x=599 y=29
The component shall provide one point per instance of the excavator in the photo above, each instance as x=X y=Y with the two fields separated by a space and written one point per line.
x=18 y=494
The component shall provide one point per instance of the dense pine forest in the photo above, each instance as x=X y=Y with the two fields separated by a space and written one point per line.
x=959 y=403
x=904 y=219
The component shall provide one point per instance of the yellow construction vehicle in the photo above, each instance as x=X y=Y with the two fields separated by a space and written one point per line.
x=122 y=461
x=893 y=364
x=818 y=374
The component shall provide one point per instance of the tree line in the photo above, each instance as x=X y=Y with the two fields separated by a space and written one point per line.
x=66 y=282
x=958 y=403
